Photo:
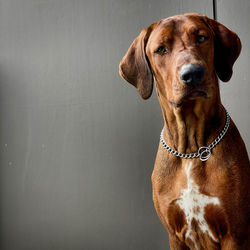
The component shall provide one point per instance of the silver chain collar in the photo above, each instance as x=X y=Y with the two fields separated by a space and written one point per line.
x=204 y=152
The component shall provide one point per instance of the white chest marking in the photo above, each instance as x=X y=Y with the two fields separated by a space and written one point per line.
x=193 y=203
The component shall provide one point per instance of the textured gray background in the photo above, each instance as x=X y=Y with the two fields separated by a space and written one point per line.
x=77 y=142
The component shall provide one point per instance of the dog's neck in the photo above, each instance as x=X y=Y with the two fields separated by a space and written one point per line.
x=196 y=123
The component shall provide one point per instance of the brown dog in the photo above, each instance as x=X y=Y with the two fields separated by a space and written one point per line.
x=202 y=171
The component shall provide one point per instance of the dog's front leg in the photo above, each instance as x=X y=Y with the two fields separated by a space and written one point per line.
x=176 y=244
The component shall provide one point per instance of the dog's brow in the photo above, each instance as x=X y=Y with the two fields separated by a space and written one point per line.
x=193 y=29
x=165 y=39
x=165 y=34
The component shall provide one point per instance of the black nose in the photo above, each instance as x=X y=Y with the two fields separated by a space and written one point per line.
x=191 y=74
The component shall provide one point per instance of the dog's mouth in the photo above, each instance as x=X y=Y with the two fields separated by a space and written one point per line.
x=192 y=95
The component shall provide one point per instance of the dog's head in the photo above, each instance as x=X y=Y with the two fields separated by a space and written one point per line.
x=185 y=54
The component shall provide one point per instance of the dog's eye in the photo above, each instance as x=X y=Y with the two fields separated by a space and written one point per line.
x=162 y=50
x=202 y=39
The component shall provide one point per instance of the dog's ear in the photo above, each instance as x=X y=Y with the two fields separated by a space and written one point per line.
x=227 y=47
x=134 y=67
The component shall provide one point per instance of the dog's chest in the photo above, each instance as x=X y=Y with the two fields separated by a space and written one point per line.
x=193 y=204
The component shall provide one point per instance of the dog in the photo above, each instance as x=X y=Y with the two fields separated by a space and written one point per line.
x=201 y=173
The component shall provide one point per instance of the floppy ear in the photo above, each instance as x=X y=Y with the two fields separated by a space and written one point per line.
x=134 y=67
x=227 y=47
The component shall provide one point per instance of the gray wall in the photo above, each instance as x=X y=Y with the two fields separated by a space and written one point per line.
x=236 y=93
x=77 y=142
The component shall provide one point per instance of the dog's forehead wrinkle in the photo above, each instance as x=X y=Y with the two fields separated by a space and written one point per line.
x=193 y=29
x=165 y=30
x=170 y=28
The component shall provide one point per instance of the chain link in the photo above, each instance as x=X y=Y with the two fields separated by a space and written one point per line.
x=204 y=152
